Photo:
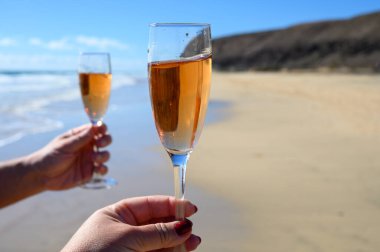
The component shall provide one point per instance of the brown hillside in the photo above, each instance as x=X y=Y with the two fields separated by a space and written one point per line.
x=352 y=44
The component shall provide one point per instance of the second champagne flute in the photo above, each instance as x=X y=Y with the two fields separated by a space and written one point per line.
x=95 y=78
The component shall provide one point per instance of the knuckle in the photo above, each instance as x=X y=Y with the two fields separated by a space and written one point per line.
x=106 y=140
x=163 y=232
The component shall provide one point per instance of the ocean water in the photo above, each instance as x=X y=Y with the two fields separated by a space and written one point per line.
x=39 y=102
x=35 y=102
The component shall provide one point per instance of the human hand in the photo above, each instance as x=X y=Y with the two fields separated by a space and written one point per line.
x=136 y=224
x=70 y=159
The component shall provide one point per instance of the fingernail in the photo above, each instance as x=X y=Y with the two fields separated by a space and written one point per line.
x=183 y=227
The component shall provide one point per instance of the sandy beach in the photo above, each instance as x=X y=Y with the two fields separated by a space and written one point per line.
x=298 y=156
x=289 y=163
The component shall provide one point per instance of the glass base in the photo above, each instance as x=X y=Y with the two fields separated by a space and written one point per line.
x=100 y=183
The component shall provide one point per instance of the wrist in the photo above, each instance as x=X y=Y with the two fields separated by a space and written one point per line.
x=19 y=179
x=33 y=165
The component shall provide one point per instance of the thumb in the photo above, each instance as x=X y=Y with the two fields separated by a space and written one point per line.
x=163 y=235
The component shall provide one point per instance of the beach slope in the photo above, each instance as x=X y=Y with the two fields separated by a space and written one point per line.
x=298 y=156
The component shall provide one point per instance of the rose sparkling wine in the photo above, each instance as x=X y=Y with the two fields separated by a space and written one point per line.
x=179 y=95
x=95 y=89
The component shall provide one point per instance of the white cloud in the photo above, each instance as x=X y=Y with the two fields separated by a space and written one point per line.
x=54 y=61
x=101 y=43
x=59 y=44
x=7 y=42
x=60 y=53
x=10 y=61
x=35 y=41
x=79 y=43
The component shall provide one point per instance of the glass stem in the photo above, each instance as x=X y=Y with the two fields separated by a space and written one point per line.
x=179 y=164
x=96 y=176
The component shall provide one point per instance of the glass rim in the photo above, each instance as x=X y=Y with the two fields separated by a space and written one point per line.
x=179 y=24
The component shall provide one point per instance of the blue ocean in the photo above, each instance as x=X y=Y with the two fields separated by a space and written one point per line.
x=36 y=102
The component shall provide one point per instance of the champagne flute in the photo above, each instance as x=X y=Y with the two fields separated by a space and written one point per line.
x=179 y=69
x=95 y=84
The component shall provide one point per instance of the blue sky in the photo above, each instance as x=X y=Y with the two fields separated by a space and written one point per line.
x=49 y=34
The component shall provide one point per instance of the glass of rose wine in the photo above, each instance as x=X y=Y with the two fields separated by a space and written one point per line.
x=179 y=71
x=95 y=85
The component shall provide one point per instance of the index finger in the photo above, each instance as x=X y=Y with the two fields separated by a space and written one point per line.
x=75 y=131
x=141 y=210
x=100 y=129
